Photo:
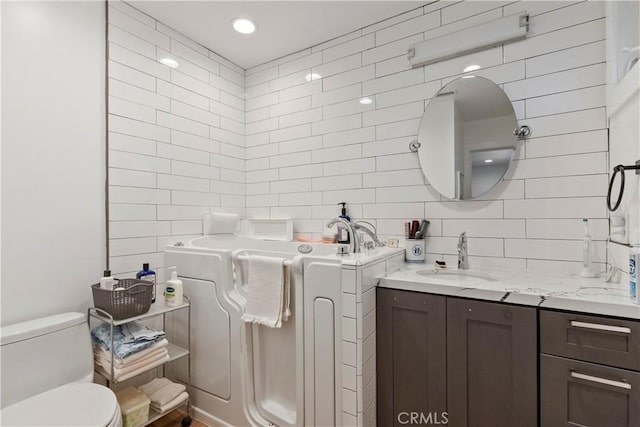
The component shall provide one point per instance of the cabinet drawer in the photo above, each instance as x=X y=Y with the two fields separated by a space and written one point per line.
x=596 y=339
x=584 y=394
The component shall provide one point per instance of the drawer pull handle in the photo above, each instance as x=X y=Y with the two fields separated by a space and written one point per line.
x=619 y=384
x=621 y=329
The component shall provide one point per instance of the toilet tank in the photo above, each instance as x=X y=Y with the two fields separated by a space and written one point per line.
x=42 y=354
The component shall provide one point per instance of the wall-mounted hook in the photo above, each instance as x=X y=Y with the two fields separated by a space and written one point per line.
x=522 y=132
x=414 y=146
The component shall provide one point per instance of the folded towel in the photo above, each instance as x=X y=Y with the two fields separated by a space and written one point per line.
x=122 y=374
x=135 y=331
x=141 y=363
x=101 y=353
x=173 y=404
x=167 y=393
x=106 y=361
x=154 y=385
x=101 y=335
x=266 y=288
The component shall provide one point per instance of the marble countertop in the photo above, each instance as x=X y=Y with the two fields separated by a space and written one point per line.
x=558 y=291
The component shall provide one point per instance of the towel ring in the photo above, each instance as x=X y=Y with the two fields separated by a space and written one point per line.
x=620 y=169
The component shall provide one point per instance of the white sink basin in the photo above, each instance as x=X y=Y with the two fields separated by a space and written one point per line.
x=456 y=275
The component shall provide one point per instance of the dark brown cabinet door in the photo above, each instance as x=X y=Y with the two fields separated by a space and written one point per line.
x=491 y=364
x=574 y=393
x=411 y=356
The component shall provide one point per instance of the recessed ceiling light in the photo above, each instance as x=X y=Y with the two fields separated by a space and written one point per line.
x=312 y=76
x=471 y=68
x=243 y=25
x=488 y=161
x=169 y=62
x=366 y=101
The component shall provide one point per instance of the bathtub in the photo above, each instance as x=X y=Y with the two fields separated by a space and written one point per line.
x=250 y=375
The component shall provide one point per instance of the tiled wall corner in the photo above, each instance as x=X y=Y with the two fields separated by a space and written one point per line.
x=176 y=138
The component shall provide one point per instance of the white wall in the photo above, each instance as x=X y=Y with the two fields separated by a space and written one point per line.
x=53 y=156
x=310 y=145
x=176 y=139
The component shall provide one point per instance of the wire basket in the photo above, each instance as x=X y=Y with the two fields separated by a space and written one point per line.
x=134 y=300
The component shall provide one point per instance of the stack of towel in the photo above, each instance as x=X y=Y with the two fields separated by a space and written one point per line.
x=136 y=348
x=164 y=394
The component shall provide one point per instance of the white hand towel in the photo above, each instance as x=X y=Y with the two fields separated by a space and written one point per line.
x=154 y=385
x=173 y=404
x=167 y=393
x=266 y=286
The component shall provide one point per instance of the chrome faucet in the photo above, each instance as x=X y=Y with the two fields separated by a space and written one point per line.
x=354 y=246
x=463 y=259
x=370 y=231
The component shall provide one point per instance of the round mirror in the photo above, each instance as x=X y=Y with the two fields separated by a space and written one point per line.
x=466 y=138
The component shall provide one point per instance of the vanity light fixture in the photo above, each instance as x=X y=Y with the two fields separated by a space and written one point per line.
x=170 y=62
x=471 y=68
x=493 y=33
x=243 y=25
x=366 y=101
x=488 y=161
x=312 y=76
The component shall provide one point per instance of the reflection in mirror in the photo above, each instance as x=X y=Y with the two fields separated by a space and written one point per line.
x=466 y=137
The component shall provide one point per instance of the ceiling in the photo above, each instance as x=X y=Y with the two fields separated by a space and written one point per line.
x=283 y=27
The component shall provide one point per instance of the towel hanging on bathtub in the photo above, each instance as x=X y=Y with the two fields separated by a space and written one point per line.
x=267 y=285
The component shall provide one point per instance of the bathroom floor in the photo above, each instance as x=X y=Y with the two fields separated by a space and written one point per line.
x=174 y=419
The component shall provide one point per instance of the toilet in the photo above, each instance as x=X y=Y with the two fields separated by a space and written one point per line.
x=47 y=374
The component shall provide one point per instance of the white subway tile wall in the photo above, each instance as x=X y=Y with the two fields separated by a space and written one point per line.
x=176 y=139
x=315 y=144
x=203 y=137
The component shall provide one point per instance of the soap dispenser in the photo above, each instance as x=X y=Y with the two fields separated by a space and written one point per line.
x=343 y=233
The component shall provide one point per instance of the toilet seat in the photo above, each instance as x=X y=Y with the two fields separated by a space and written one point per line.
x=74 y=404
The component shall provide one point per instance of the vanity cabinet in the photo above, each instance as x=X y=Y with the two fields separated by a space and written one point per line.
x=491 y=364
x=589 y=370
x=477 y=361
x=411 y=355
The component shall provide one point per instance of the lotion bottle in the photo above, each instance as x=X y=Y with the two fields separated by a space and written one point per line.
x=173 y=290
x=107 y=281
x=586 y=252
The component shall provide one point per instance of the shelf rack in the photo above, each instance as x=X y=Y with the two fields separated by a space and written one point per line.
x=175 y=352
